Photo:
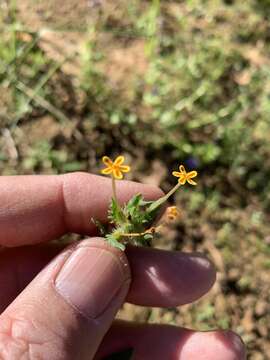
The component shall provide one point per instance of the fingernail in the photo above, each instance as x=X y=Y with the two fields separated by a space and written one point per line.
x=90 y=279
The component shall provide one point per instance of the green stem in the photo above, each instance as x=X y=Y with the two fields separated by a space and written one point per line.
x=119 y=209
x=114 y=190
x=164 y=198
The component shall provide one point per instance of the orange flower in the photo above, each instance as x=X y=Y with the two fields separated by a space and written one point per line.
x=184 y=176
x=115 y=167
x=172 y=212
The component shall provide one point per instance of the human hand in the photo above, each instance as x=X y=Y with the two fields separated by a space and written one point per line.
x=65 y=312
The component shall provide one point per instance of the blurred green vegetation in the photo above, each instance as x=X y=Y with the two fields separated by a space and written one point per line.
x=197 y=92
x=204 y=96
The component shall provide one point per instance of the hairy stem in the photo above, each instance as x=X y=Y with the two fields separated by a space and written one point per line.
x=119 y=208
x=148 y=231
x=114 y=190
x=164 y=198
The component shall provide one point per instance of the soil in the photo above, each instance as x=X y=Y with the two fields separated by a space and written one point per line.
x=240 y=297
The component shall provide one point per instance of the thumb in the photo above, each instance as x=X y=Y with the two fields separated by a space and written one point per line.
x=67 y=309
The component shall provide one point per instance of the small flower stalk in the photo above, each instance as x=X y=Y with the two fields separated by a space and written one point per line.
x=136 y=221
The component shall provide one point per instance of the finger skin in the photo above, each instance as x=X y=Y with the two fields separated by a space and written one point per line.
x=160 y=278
x=66 y=310
x=168 y=278
x=19 y=266
x=42 y=208
x=161 y=342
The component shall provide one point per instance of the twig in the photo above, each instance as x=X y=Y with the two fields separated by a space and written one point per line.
x=11 y=146
x=39 y=86
x=41 y=101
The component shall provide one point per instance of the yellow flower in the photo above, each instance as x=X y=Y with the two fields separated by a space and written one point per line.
x=115 y=167
x=172 y=212
x=184 y=176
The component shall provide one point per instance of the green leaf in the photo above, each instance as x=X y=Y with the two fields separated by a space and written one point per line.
x=116 y=214
x=133 y=204
x=114 y=242
x=135 y=212
x=134 y=217
x=148 y=236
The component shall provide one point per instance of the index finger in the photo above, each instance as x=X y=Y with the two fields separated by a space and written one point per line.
x=40 y=208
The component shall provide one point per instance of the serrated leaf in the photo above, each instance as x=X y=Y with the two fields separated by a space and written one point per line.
x=115 y=213
x=134 y=201
x=133 y=205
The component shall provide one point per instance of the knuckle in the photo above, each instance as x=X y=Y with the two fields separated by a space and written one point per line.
x=13 y=344
x=23 y=339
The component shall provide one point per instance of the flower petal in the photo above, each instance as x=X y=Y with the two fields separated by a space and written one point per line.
x=182 y=169
x=119 y=160
x=125 y=168
x=192 y=174
x=172 y=212
x=107 y=161
x=182 y=179
x=117 y=174
x=107 y=171
x=176 y=173
x=191 y=182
